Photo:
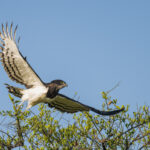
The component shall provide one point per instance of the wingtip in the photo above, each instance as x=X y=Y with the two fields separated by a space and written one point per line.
x=2 y=26
x=15 y=31
x=11 y=35
x=6 y=24
x=11 y=23
x=19 y=39
x=3 y=29
x=7 y=32
x=7 y=86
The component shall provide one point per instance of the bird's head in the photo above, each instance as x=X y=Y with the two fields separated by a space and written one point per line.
x=59 y=83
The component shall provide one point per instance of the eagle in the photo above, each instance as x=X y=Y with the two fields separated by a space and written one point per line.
x=36 y=91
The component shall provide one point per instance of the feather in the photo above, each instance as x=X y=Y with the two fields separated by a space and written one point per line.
x=14 y=90
x=18 y=40
x=66 y=104
x=17 y=68
x=1 y=35
x=7 y=30
x=11 y=35
x=4 y=31
x=15 y=32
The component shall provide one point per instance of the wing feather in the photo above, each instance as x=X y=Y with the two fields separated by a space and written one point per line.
x=3 y=31
x=17 y=68
x=11 y=34
x=15 y=32
x=66 y=104
x=7 y=32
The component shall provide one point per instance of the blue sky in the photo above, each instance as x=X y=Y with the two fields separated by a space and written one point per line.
x=92 y=45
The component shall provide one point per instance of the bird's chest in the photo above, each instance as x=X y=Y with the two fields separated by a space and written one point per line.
x=52 y=92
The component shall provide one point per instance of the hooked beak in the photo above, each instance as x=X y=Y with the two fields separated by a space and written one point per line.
x=63 y=85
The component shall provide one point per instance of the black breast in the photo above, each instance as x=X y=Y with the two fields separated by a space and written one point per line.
x=52 y=92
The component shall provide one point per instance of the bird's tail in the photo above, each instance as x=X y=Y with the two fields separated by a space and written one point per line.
x=14 y=90
x=107 y=113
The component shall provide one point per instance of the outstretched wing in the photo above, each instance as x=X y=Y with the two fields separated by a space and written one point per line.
x=66 y=104
x=16 y=66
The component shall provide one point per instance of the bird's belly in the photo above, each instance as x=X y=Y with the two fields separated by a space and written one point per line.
x=42 y=99
x=35 y=95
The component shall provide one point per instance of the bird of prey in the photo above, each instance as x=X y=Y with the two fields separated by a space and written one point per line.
x=19 y=70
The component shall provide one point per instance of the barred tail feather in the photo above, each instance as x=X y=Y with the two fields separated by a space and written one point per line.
x=14 y=90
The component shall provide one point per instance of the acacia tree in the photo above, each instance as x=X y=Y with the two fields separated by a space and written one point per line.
x=85 y=131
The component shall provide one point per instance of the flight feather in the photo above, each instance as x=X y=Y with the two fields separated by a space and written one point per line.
x=16 y=66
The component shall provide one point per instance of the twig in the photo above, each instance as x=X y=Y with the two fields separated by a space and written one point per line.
x=113 y=87
x=138 y=138
x=130 y=130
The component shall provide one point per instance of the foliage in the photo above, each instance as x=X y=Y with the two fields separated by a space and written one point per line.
x=86 y=131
